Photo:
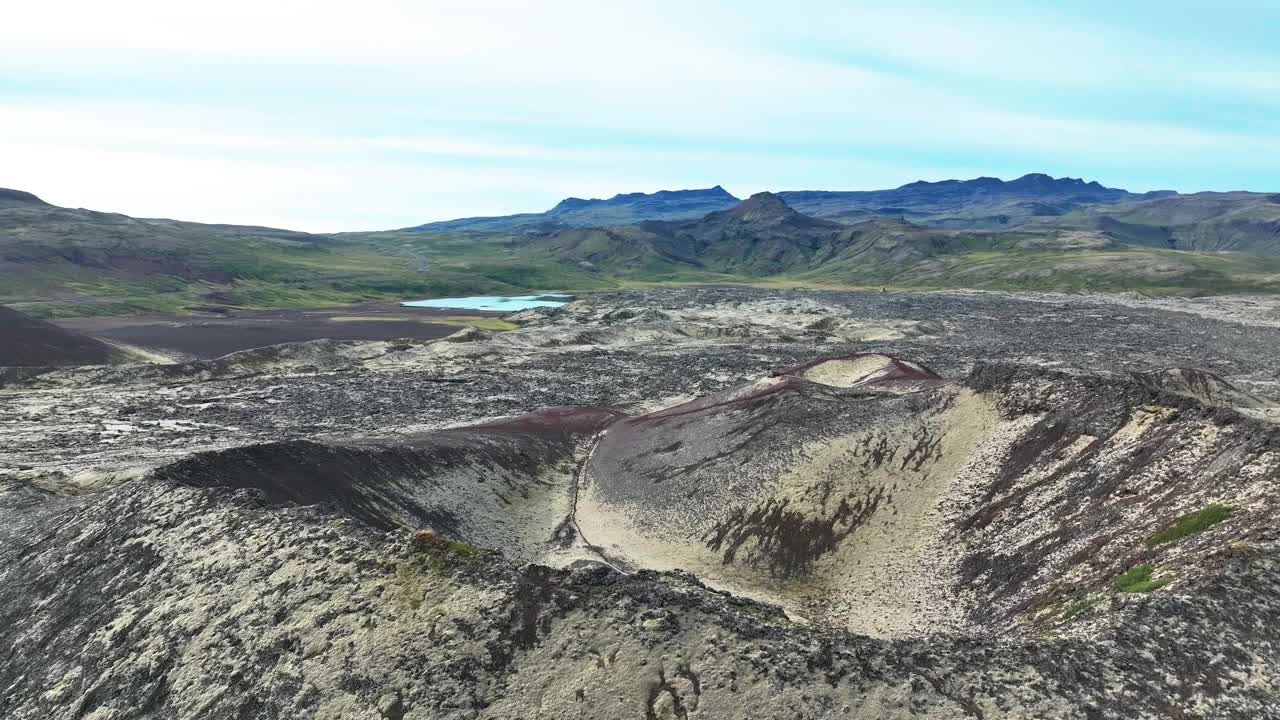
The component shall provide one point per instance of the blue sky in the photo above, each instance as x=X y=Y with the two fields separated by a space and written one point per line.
x=329 y=116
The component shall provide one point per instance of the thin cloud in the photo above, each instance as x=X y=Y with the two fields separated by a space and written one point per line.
x=314 y=116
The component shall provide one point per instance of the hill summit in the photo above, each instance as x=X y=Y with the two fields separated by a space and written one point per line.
x=621 y=209
x=983 y=202
x=978 y=203
x=19 y=197
x=763 y=207
x=660 y=200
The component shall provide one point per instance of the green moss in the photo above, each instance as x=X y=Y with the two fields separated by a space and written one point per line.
x=440 y=551
x=1189 y=525
x=461 y=549
x=431 y=555
x=482 y=323
x=1138 y=580
x=1081 y=606
x=412 y=586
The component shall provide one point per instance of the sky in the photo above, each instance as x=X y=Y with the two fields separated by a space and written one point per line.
x=327 y=116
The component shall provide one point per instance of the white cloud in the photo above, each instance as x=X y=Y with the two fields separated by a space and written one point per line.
x=1254 y=80
x=323 y=115
x=155 y=127
x=321 y=30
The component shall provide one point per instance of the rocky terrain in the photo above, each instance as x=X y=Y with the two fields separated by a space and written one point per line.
x=711 y=502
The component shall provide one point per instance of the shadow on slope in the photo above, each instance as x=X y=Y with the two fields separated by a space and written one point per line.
x=504 y=484
x=28 y=342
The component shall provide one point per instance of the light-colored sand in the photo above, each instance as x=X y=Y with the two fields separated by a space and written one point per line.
x=891 y=577
x=849 y=372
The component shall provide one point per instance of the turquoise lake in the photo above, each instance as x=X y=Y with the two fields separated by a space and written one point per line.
x=494 y=303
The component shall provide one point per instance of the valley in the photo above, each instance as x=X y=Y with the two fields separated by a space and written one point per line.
x=1035 y=233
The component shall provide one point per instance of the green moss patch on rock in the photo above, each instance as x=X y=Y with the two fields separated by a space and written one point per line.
x=1191 y=524
x=1138 y=579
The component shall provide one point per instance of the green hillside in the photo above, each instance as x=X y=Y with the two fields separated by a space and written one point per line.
x=59 y=262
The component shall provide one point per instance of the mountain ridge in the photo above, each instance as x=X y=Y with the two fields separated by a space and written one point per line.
x=61 y=262
x=570 y=204
x=943 y=203
x=764 y=237
x=983 y=202
x=621 y=209
x=9 y=196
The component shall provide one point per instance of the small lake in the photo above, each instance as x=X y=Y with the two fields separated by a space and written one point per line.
x=494 y=303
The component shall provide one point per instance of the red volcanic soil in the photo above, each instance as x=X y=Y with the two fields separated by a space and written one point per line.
x=824 y=376
x=555 y=420
x=233 y=330
x=28 y=342
x=744 y=397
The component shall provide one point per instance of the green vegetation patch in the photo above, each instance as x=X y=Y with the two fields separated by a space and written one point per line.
x=481 y=323
x=441 y=550
x=1189 y=525
x=1079 y=607
x=418 y=574
x=1138 y=580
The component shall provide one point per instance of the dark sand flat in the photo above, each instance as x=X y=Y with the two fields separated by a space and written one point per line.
x=216 y=334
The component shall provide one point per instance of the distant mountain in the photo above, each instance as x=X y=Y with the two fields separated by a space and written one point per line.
x=762 y=209
x=1209 y=221
x=1034 y=233
x=758 y=236
x=65 y=262
x=18 y=197
x=984 y=202
x=622 y=209
x=981 y=203
x=635 y=207
x=764 y=237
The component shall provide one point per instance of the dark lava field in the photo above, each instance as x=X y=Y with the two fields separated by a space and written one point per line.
x=712 y=502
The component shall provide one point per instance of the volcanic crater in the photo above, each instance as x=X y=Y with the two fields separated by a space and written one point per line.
x=807 y=524
x=863 y=491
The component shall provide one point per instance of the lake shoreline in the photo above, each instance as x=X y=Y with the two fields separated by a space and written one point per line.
x=494 y=303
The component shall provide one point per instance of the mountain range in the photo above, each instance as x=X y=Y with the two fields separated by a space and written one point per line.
x=982 y=202
x=1035 y=232
x=618 y=210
